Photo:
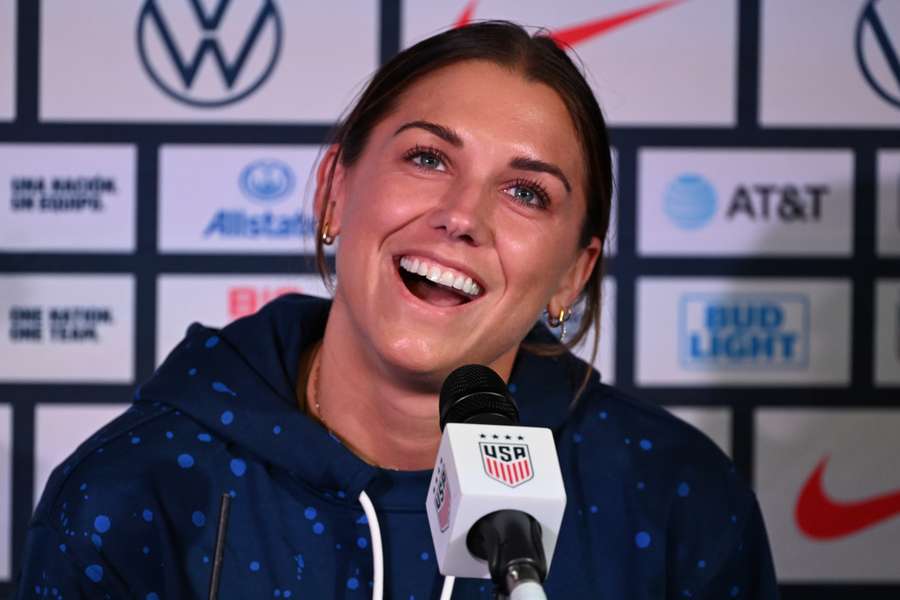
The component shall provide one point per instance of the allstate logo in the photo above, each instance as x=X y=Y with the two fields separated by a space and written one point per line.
x=266 y=180
x=690 y=201
x=877 y=47
x=184 y=47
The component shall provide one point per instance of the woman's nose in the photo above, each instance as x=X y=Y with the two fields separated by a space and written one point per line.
x=463 y=213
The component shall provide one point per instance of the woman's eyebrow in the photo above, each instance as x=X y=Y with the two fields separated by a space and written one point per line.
x=531 y=164
x=445 y=133
x=519 y=162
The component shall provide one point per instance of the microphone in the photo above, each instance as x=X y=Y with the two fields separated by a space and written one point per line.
x=496 y=499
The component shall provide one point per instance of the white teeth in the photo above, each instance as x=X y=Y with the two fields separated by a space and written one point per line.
x=446 y=279
x=440 y=275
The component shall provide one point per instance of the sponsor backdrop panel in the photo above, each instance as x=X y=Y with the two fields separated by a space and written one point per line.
x=67 y=198
x=828 y=484
x=887 y=332
x=60 y=429
x=732 y=202
x=247 y=199
x=67 y=328
x=250 y=61
x=742 y=332
x=7 y=63
x=714 y=422
x=682 y=56
x=216 y=300
x=6 y=448
x=605 y=362
x=830 y=63
x=889 y=202
x=735 y=253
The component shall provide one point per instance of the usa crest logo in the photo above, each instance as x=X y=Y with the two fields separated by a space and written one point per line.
x=443 y=498
x=506 y=462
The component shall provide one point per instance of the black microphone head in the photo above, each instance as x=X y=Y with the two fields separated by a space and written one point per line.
x=476 y=394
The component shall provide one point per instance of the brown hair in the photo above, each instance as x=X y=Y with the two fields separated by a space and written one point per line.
x=538 y=58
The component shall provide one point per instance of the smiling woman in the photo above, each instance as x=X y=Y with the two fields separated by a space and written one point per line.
x=470 y=190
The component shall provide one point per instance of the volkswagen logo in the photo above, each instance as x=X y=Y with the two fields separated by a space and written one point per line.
x=690 y=201
x=208 y=54
x=878 y=48
x=266 y=180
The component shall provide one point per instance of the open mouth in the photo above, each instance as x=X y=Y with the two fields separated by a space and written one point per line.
x=437 y=284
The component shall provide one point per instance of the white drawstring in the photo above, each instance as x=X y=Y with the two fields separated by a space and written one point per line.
x=447 y=590
x=377 y=553
x=377 y=557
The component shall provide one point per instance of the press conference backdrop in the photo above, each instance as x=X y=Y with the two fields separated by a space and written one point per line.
x=155 y=160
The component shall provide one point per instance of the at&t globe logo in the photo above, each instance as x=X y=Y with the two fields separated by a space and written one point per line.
x=878 y=48
x=690 y=201
x=266 y=180
x=209 y=54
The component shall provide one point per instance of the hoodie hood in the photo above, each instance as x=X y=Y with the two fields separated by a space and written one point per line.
x=239 y=382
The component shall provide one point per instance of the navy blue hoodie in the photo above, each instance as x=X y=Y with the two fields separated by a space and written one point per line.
x=654 y=510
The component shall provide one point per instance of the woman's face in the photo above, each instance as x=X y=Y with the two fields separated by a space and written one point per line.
x=476 y=180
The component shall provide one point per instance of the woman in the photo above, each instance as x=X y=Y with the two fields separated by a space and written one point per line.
x=470 y=190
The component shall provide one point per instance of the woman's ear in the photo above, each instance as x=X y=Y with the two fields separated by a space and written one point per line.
x=577 y=276
x=330 y=191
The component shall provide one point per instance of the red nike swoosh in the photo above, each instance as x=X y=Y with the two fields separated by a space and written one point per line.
x=576 y=34
x=822 y=518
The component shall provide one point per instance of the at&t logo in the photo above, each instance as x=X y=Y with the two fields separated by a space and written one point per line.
x=878 y=48
x=746 y=331
x=691 y=202
x=209 y=54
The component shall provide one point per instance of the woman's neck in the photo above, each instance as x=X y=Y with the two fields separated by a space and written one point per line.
x=384 y=419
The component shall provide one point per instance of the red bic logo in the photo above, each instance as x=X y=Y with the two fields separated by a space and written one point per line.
x=246 y=300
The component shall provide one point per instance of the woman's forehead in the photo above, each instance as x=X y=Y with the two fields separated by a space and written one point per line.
x=480 y=100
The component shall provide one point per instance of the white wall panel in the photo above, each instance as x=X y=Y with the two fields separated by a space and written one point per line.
x=829 y=528
x=67 y=328
x=248 y=199
x=67 y=197
x=216 y=300
x=110 y=63
x=8 y=37
x=740 y=202
x=823 y=64
x=660 y=63
x=6 y=494
x=60 y=429
x=744 y=331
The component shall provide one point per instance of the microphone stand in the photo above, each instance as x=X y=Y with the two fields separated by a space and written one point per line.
x=510 y=542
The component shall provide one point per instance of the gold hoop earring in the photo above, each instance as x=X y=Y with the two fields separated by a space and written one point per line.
x=559 y=320
x=327 y=238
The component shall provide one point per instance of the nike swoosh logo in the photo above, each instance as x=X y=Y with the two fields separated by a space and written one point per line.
x=576 y=34
x=822 y=518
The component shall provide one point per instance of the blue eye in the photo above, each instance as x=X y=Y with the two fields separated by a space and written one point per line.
x=529 y=193
x=426 y=158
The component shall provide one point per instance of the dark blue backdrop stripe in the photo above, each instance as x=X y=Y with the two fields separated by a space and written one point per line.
x=146 y=264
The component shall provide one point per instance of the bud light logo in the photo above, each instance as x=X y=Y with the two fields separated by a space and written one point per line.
x=877 y=47
x=690 y=201
x=266 y=180
x=209 y=54
x=744 y=331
